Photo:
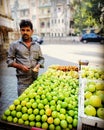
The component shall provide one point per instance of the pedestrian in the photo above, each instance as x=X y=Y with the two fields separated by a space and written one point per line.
x=26 y=56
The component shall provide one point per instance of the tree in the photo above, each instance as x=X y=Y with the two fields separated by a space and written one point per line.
x=87 y=14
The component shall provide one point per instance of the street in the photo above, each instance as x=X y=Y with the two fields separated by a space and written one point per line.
x=62 y=52
x=65 y=52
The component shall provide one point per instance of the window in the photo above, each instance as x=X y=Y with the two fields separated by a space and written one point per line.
x=32 y=3
x=52 y=21
x=62 y=20
x=48 y=11
x=58 y=20
x=33 y=17
x=42 y=25
x=55 y=20
x=59 y=10
x=48 y=24
x=24 y=12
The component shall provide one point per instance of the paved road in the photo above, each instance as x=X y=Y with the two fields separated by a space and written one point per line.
x=66 y=52
x=55 y=52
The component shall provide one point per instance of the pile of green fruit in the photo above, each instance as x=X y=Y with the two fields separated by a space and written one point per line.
x=94 y=99
x=51 y=102
x=95 y=73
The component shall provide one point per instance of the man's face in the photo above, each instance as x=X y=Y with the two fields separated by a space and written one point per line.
x=26 y=33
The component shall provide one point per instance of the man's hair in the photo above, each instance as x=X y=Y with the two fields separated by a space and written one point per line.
x=26 y=23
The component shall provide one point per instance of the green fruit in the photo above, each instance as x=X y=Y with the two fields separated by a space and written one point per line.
x=13 y=113
x=9 y=118
x=75 y=122
x=15 y=120
x=45 y=125
x=90 y=110
x=28 y=104
x=24 y=109
x=64 y=104
x=69 y=119
x=20 y=121
x=25 y=116
x=23 y=103
x=61 y=116
x=38 y=117
x=91 y=87
x=26 y=122
x=42 y=112
x=19 y=114
x=86 y=102
x=4 y=117
x=95 y=101
x=54 y=114
x=32 y=123
x=51 y=127
x=99 y=86
x=63 y=124
x=100 y=113
x=29 y=111
x=16 y=102
x=44 y=118
x=38 y=124
x=40 y=106
x=71 y=112
x=34 y=105
x=87 y=94
x=58 y=127
x=36 y=111
x=31 y=117
x=18 y=107
x=56 y=121
x=7 y=112
x=63 y=111
x=12 y=107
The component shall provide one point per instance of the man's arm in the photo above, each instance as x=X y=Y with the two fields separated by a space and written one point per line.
x=20 y=66
x=11 y=59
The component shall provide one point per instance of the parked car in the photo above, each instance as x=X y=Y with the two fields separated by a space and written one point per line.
x=91 y=37
x=38 y=39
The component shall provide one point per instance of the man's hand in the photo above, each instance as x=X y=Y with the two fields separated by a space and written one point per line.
x=24 y=68
x=20 y=66
x=36 y=69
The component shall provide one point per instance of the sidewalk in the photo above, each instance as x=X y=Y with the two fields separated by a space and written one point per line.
x=7 y=88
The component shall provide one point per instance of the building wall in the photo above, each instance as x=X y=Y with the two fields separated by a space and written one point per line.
x=51 y=18
x=5 y=26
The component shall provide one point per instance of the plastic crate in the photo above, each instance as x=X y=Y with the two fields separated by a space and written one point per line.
x=83 y=119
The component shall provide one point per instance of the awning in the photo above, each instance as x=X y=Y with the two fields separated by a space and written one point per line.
x=5 y=29
x=6 y=24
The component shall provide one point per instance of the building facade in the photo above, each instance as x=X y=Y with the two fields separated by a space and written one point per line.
x=51 y=18
x=6 y=25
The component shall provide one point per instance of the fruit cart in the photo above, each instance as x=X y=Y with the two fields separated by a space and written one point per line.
x=11 y=126
x=56 y=99
x=51 y=102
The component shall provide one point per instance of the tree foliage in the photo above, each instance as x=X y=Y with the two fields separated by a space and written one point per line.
x=87 y=13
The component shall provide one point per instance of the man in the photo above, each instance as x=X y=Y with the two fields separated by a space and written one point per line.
x=25 y=55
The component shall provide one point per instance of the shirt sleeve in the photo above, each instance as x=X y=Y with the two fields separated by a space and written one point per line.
x=11 y=54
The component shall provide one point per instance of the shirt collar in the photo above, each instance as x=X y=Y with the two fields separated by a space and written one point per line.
x=21 y=41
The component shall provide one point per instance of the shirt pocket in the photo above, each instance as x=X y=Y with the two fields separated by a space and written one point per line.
x=35 y=55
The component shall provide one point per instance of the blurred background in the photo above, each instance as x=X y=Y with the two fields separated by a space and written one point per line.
x=51 y=19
